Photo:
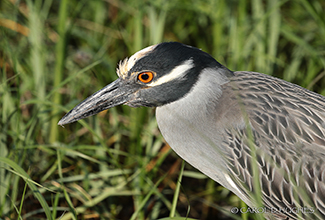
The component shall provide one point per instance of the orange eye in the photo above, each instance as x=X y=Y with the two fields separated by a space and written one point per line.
x=145 y=77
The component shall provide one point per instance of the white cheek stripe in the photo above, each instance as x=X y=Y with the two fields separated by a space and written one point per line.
x=178 y=72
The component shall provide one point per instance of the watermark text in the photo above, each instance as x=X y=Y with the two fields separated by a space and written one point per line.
x=293 y=210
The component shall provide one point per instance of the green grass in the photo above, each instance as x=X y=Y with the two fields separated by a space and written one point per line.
x=116 y=165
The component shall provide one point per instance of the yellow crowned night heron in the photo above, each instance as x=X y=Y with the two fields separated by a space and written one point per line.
x=229 y=125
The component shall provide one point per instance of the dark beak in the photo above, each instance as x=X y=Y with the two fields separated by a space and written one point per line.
x=116 y=93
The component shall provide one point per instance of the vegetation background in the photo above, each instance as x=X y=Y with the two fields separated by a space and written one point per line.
x=116 y=165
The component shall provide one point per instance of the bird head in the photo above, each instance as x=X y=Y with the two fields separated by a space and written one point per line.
x=155 y=76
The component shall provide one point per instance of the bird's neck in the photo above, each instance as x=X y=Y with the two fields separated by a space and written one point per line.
x=202 y=97
x=188 y=124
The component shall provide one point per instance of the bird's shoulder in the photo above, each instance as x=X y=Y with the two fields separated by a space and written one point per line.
x=279 y=110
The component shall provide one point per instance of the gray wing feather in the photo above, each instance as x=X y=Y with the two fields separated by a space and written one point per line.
x=288 y=127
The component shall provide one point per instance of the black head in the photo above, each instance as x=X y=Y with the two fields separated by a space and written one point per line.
x=152 y=77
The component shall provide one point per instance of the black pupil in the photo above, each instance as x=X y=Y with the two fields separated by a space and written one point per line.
x=144 y=76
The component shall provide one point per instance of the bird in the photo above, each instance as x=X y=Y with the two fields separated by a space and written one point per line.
x=261 y=137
